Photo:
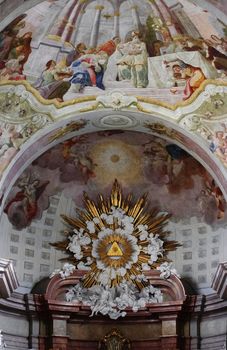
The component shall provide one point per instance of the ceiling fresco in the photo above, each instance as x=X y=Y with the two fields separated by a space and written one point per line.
x=162 y=49
x=174 y=180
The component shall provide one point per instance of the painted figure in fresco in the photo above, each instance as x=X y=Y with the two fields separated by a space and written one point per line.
x=79 y=158
x=86 y=166
x=216 y=57
x=109 y=47
x=14 y=50
x=218 y=139
x=211 y=193
x=10 y=141
x=193 y=77
x=23 y=207
x=172 y=47
x=74 y=54
x=218 y=144
x=5 y=45
x=184 y=43
x=132 y=66
x=162 y=164
x=169 y=165
x=88 y=70
x=13 y=69
x=21 y=46
x=51 y=84
x=219 y=43
x=8 y=35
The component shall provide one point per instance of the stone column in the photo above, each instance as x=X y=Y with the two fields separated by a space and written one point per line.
x=185 y=22
x=158 y=19
x=155 y=10
x=77 y=26
x=70 y=28
x=95 y=28
x=59 y=27
x=116 y=23
x=167 y=17
x=136 y=18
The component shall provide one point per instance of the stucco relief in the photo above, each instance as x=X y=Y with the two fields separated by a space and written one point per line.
x=23 y=114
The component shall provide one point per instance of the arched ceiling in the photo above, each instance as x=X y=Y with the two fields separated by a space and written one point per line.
x=140 y=162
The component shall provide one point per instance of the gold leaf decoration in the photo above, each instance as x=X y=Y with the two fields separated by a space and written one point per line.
x=116 y=238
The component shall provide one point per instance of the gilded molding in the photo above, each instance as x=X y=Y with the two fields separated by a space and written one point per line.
x=82 y=99
x=44 y=101
x=182 y=103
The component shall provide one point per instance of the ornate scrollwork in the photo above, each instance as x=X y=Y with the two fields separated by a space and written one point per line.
x=114 y=340
x=116 y=100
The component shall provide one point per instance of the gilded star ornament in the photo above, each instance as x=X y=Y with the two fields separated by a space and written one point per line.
x=116 y=239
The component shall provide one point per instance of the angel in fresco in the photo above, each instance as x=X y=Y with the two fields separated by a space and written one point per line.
x=85 y=165
x=169 y=165
x=74 y=153
x=10 y=141
x=67 y=145
x=218 y=139
x=23 y=207
x=162 y=165
x=212 y=193
x=218 y=144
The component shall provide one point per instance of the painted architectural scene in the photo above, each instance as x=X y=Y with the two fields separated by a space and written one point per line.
x=163 y=49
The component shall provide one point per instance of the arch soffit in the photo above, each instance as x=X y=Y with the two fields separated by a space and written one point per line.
x=75 y=124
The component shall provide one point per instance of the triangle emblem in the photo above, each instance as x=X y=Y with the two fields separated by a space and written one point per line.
x=115 y=250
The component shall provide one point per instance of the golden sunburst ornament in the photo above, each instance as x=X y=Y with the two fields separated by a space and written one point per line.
x=116 y=239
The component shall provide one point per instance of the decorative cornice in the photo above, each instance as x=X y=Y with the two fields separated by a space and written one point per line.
x=99 y=7
x=171 y=286
x=148 y=100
